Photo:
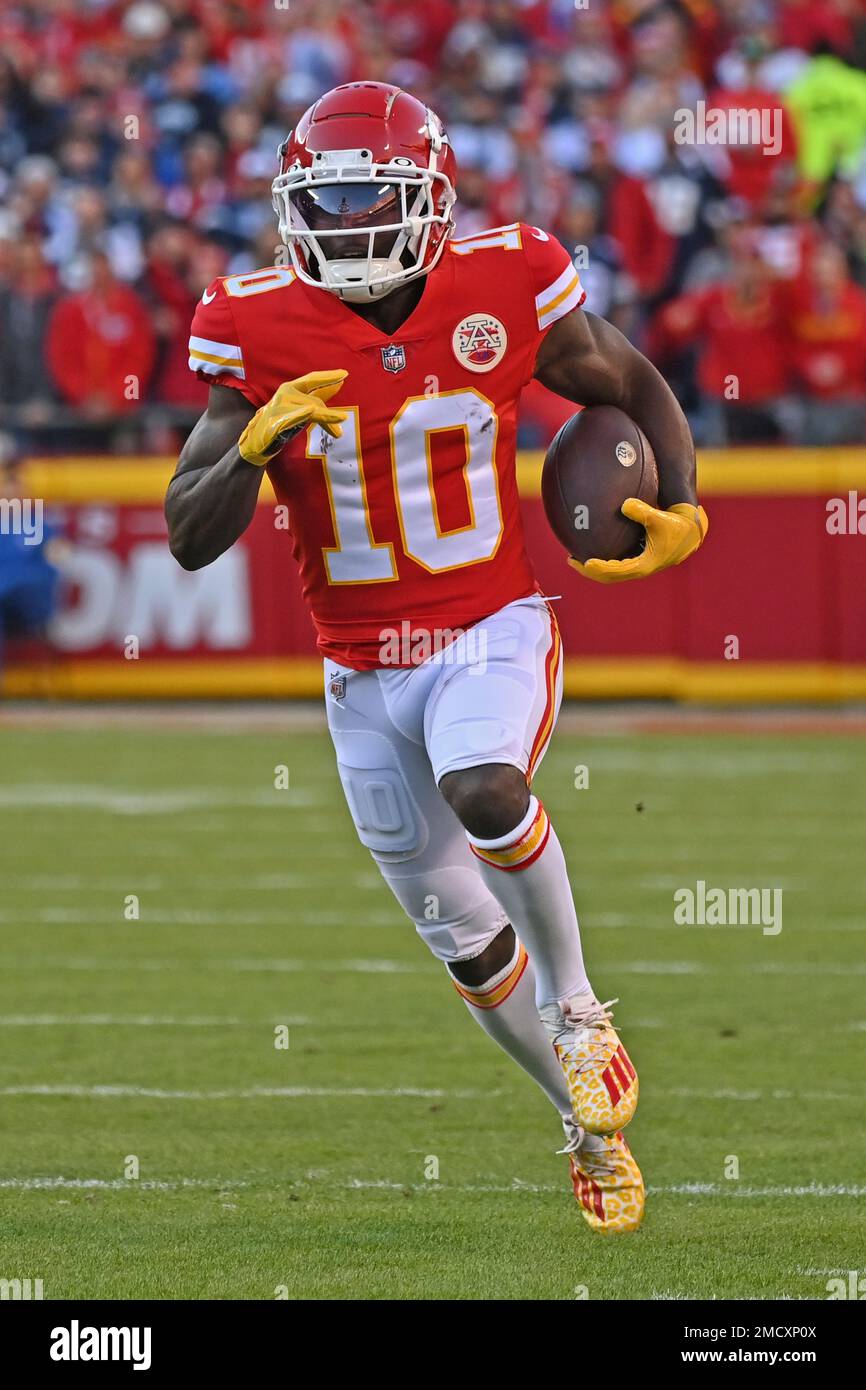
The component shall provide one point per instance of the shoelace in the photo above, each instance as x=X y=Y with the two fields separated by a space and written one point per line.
x=594 y=1163
x=594 y=1016
x=575 y=1138
x=588 y=1161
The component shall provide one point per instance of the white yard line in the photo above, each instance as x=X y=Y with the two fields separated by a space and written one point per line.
x=154 y=883
x=775 y=1093
x=804 y=968
x=298 y=964
x=241 y=916
x=659 y=763
x=120 y=1092
x=116 y=1184
x=138 y=1021
x=26 y=796
x=662 y=967
x=123 y=1092
x=515 y=1188
x=340 y=967
x=689 y=1189
x=280 y=965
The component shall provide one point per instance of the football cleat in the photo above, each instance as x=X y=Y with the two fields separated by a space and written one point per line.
x=602 y=1081
x=606 y=1180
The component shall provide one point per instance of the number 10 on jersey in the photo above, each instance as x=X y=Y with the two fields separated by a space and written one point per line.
x=357 y=558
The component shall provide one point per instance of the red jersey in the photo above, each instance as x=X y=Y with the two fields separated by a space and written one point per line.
x=828 y=342
x=412 y=516
x=736 y=339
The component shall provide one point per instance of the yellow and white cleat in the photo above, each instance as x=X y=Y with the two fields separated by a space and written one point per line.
x=606 y=1180
x=602 y=1081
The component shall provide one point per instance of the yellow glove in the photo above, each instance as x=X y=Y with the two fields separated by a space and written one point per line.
x=671 y=537
x=293 y=405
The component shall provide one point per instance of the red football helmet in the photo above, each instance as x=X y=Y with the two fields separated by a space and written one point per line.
x=367 y=176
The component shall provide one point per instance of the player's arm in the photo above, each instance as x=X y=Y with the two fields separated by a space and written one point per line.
x=590 y=362
x=587 y=360
x=212 y=497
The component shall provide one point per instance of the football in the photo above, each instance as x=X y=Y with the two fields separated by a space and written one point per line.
x=598 y=459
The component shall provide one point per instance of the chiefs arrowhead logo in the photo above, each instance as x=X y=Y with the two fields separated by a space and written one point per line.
x=479 y=342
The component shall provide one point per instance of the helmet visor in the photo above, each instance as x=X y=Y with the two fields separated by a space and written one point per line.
x=351 y=207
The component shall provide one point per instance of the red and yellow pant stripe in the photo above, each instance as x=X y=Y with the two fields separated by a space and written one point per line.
x=552 y=667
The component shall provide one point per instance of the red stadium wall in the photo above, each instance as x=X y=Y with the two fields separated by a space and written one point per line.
x=771 y=583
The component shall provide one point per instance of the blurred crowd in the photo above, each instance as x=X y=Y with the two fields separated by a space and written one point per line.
x=138 y=143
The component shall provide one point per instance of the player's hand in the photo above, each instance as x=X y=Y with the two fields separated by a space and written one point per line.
x=671 y=537
x=292 y=406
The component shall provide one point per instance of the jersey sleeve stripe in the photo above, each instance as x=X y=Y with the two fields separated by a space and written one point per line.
x=560 y=298
x=213 y=367
x=213 y=352
x=213 y=358
x=218 y=361
x=562 y=281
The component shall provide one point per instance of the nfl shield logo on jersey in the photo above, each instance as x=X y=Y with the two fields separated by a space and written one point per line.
x=479 y=342
x=393 y=358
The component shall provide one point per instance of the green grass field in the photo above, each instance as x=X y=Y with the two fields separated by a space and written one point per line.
x=305 y=1168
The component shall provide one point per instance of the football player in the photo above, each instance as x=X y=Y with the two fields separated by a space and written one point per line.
x=376 y=379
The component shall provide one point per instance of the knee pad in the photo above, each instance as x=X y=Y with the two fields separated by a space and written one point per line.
x=453 y=912
x=386 y=815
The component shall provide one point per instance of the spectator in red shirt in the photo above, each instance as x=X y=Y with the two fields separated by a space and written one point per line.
x=803 y=24
x=736 y=329
x=828 y=351
x=101 y=345
x=628 y=216
x=180 y=265
x=165 y=286
x=754 y=168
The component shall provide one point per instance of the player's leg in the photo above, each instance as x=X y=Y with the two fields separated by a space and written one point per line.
x=498 y=988
x=421 y=850
x=522 y=862
x=488 y=723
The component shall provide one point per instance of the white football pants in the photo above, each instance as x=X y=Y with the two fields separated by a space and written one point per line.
x=492 y=696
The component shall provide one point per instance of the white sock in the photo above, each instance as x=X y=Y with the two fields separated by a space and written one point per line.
x=525 y=871
x=505 y=1008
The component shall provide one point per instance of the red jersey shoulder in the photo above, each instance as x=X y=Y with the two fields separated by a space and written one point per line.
x=216 y=343
x=551 y=277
